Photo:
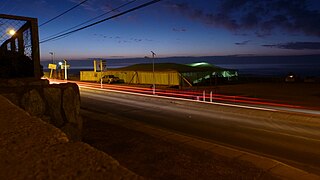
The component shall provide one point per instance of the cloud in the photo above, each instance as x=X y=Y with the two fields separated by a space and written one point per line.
x=101 y=36
x=119 y=39
x=41 y=2
x=89 y=5
x=179 y=29
x=261 y=17
x=242 y=43
x=137 y=40
x=99 y=5
x=149 y=40
x=296 y=45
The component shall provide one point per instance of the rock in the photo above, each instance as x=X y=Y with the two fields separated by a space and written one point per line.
x=15 y=83
x=72 y=131
x=33 y=103
x=71 y=108
x=53 y=98
x=71 y=105
x=57 y=104
x=46 y=119
x=39 y=82
x=13 y=97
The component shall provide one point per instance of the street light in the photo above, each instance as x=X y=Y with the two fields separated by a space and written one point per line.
x=64 y=66
x=52 y=57
x=154 y=84
x=11 y=32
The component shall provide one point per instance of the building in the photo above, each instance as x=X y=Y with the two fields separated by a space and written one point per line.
x=169 y=74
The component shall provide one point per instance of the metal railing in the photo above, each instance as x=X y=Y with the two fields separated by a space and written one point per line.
x=19 y=47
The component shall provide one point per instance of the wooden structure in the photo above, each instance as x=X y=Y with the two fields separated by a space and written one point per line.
x=24 y=41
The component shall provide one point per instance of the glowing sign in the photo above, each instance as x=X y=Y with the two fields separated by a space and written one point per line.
x=52 y=66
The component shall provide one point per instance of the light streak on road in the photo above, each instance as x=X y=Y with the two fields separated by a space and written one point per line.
x=197 y=96
x=287 y=133
x=288 y=137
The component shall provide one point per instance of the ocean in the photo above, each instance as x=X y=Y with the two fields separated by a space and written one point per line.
x=267 y=66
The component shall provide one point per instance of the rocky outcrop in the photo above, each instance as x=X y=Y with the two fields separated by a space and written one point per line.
x=33 y=103
x=33 y=149
x=57 y=104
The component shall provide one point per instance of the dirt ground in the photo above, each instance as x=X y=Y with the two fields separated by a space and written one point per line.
x=155 y=158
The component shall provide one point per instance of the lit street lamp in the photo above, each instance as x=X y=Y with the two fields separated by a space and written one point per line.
x=64 y=66
x=11 y=32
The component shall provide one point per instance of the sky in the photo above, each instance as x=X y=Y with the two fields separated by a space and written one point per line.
x=176 y=27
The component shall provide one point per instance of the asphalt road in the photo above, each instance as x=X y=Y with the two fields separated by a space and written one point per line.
x=294 y=141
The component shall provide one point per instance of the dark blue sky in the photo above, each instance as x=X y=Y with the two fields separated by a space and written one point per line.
x=178 y=27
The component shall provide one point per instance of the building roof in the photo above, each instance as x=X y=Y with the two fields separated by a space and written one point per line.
x=194 y=67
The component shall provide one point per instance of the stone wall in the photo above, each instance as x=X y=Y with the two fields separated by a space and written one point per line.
x=57 y=104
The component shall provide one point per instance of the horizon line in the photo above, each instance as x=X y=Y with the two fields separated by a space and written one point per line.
x=164 y=57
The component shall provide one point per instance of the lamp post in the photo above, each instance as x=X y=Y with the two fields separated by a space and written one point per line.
x=60 y=70
x=154 y=84
x=63 y=65
x=52 y=57
x=65 y=70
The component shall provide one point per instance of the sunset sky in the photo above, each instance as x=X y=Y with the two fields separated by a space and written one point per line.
x=176 y=27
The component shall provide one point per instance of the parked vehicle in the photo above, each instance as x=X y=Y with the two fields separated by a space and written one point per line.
x=110 y=79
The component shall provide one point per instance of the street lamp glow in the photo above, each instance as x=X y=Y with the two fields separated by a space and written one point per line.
x=60 y=63
x=11 y=32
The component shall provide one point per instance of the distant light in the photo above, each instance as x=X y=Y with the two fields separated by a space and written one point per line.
x=11 y=32
x=60 y=63
x=199 y=64
x=291 y=76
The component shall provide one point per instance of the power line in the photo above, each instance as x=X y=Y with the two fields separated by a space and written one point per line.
x=115 y=9
x=98 y=22
x=65 y=12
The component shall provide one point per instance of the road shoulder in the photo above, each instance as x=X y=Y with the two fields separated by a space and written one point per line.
x=267 y=165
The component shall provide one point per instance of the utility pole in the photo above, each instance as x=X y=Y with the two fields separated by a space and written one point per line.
x=53 y=70
x=154 y=84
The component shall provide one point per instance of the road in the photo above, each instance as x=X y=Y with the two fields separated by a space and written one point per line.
x=294 y=141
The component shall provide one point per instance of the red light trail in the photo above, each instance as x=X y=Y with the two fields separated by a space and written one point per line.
x=183 y=94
